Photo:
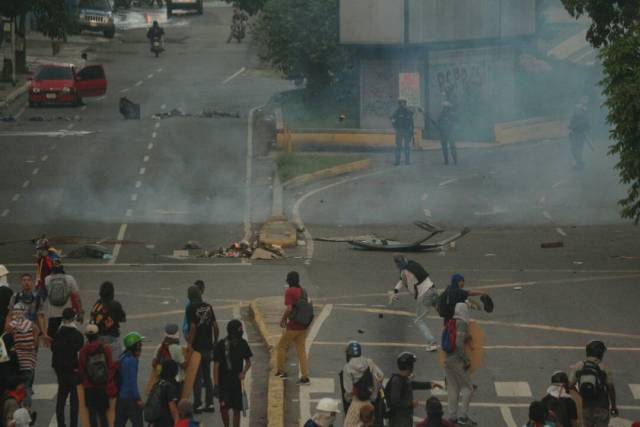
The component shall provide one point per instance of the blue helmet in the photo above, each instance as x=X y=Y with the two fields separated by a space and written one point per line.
x=354 y=349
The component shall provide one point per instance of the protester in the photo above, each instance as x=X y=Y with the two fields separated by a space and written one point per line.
x=107 y=313
x=402 y=121
x=166 y=396
x=295 y=332
x=435 y=415
x=185 y=415
x=594 y=381
x=5 y=296
x=415 y=279
x=325 y=414
x=10 y=367
x=559 y=402
x=399 y=391
x=33 y=302
x=454 y=294
x=96 y=369
x=13 y=398
x=66 y=345
x=232 y=361
x=170 y=348
x=46 y=258
x=203 y=334
x=579 y=130
x=538 y=416
x=446 y=127
x=361 y=381
x=129 y=405
x=185 y=322
x=62 y=293
x=456 y=369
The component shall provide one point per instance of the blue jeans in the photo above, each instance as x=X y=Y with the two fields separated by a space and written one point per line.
x=422 y=309
x=128 y=409
x=27 y=375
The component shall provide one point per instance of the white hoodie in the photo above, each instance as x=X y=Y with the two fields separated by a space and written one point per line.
x=353 y=371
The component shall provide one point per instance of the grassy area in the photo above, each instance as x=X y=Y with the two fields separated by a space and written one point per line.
x=291 y=165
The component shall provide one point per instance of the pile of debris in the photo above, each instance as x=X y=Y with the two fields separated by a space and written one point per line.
x=206 y=113
x=244 y=249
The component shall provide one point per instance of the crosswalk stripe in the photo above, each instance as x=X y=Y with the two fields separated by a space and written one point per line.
x=44 y=391
x=635 y=390
x=513 y=389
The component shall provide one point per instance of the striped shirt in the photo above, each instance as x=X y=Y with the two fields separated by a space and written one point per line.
x=25 y=343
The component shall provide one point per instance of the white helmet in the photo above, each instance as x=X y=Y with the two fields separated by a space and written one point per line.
x=328 y=405
x=3 y=270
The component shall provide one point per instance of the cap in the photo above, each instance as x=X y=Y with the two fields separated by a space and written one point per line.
x=42 y=244
x=171 y=329
x=3 y=270
x=68 y=314
x=327 y=404
x=91 y=329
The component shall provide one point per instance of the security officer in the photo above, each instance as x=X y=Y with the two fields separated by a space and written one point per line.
x=402 y=121
x=446 y=123
x=579 y=128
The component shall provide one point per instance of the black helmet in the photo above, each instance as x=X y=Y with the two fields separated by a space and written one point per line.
x=354 y=349
x=560 y=377
x=406 y=360
x=596 y=349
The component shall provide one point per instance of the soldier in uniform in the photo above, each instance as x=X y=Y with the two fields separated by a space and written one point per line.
x=446 y=123
x=579 y=128
x=402 y=121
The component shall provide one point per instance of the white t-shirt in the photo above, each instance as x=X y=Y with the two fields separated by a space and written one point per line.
x=55 y=311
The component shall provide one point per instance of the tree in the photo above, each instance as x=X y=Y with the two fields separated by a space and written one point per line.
x=250 y=6
x=53 y=19
x=17 y=10
x=615 y=31
x=300 y=38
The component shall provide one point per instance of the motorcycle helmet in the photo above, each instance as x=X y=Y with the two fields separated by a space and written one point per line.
x=131 y=339
x=406 y=361
x=328 y=405
x=596 y=349
x=354 y=349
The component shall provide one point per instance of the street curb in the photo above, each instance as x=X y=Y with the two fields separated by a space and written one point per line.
x=18 y=92
x=327 y=173
x=275 y=387
x=277 y=230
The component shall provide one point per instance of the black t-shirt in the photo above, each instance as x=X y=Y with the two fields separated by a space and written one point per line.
x=566 y=411
x=108 y=315
x=231 y=352
x=454 y=297
x=201 y=314
x=168 y=393
x=5 y=298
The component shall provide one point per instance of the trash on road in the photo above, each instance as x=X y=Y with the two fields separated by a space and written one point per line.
x=91 y=251
x=260 y=253
x=206 y=114
x=551 y=245
x=214 y=113
x=343 y=239
x=128 y=109
x=192 y=244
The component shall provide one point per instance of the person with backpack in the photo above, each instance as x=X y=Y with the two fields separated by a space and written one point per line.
x=62 y=293
x=538 y=416
x=129 y=406
x=231 y=362
x=594 y=382
x=296 y=318
x=97 y=371
x=456 y=366
x=5 y=296
x=185 y=322
x=65 y=347
x=185 y=415
x=325 y=414
x=398 y=392
x=415 y=279
x=170 y=349
x=454 y=294
x=559 y=402
x=203 y=334
x=34 y=303
x=161 y=408
x=361 y=381
x=108 y=314
x=435 y=415
x=46 y=257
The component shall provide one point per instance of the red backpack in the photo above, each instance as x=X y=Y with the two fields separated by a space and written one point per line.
x=162 y=355
x=448 y=342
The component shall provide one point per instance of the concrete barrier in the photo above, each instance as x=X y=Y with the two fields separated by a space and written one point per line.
x=293 y=139
x=328 y=173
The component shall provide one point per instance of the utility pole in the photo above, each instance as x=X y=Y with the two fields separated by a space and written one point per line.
x=13 y=50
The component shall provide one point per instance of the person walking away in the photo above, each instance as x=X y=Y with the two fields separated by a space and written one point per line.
x=231 y=362
x=62 y=293
x=185 y=322
x=325 y=414
x=295 y=322
x=435 y=415
x=399 y=391
x=579 y=128
x=156 y=32
x=129 y=405
x=25 y=337
x=65 y=347
x=96 y=370
x=108 y=314
x=538 y=416
x=161 y=409
x=402 y=121
x=170 y=349
x=5 y=296
x=46 y=258
x=559 y=402
x=238 y=25
x=456 y=368
x=454 y=294
x=594 y=382
x=185 y=415
x=446 y=126
x=415 y=279
x=203 y=334
x=33 y=302
x=361 y=381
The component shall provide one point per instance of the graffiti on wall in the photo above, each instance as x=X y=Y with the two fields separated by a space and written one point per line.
x=378 y=94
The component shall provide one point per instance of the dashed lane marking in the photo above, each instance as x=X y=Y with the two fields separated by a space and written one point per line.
x=142 y=171
x=25 y=184
x=76 y=117
x=134 y=197
x=154 y=135
x=116 y=248
x=149 y=76
x=427 y=213
x=125 y=90
x=558 y=184
x=234 y=75
x=159 y=70
x=163 y=106
x=101 y=98
x=635 y=390
x=447 y=182
x=145 y=159
x=44 y=158
x=138 y=83
x=150 y=146
x=561 y=232
x=513 y=389
x=84 y=107
x=35 y=171
x=547 y=215
x=4 y=213
x=505 y=411
x=138 y=184
x=70 y=126
x=15 y=197
x=157 y=125
x=129 y=212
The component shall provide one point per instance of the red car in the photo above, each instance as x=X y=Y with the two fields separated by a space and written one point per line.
x=63 y=84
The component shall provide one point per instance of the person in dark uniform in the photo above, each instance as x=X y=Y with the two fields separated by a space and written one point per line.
x=446 y=124
x=579 y=128
x=402 y=121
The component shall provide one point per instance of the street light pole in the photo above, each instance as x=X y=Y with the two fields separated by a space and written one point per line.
x=13 y=50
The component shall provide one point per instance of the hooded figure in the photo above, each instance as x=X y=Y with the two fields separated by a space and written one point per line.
x=194 y=294
x=107 y=313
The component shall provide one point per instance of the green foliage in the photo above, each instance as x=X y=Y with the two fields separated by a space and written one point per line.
x=13 y=8
x=291 y=165
x=53 y=18
x=300 y=38
x=250 y=6
x=616 y=32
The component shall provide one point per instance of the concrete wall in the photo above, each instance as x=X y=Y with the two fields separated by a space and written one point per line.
x=372 y=22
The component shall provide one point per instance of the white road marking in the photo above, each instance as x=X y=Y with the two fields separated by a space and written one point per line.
x=54 y=146
x=5 y=213
x=427 y=213
x=44 y=158
x=149 y=76
x=249 y=176
x=52 y=134
x=134 y=197
x=449 y=181
x=159 y=70
x=424 y=197
x=125 y=90
x=234 y=75
x=558 y=184
x=138 y=184
x=76 y=117
x=138 y=83
x=154 y=135
x=635 y=390
x=116 y=248
x=142 y=171
x=547 y=215
x=101 y=98
x=542 y=200
x=70 y=126
x=22 y=110
x=163 y=106
x=84 y=107
x=513 y=389
x=54 y=421
x=317 y=386
x=15 y=197
x=561 y=232
x=25 y=184
x=145 y=159
x=150 y=146
x=129 y=212
x=157 y=125
x=508 y=416
x=44 y=391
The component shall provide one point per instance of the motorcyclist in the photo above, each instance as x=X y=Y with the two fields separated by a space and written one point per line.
x=156 y=32
x=238 y=25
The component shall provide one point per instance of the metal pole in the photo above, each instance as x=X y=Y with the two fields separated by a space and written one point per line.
x=13 y=50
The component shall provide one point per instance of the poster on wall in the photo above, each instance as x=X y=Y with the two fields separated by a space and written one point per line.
x=409 y=88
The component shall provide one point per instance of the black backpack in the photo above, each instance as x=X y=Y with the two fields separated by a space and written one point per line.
x=444 y=306
x=592 y=381
x=302 y=312
x=363 y=388
x=153 y=408
x=96 y=370
x=417 y=270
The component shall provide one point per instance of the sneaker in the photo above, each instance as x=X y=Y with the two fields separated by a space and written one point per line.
x=304 y=381
x=467 y=422
x=209 y=408
x=198 y=409
x=282 y=375
x=431 y=347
